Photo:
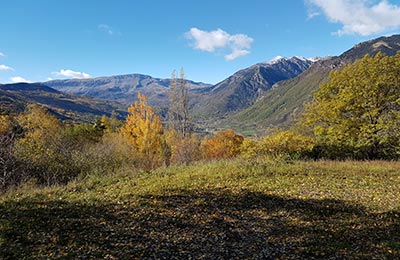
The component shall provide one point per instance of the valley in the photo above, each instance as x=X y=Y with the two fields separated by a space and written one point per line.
x=278 y=136
x=263 y=96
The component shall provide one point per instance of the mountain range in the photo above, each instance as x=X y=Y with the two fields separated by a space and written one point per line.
x=123 y=88
x=234 y=94
x=243 y=88
x=68 y=107
x=265 y=95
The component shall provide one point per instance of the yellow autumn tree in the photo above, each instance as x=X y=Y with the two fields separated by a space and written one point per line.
x=356 y=114
x=144 y=133
x=41 y=147
x=41 y=134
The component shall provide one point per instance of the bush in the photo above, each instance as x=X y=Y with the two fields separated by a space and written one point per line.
x=287 y=144
x=225 y=144
x=12 y=171
x=250 y=148
x=182 y=149
x=108 y=155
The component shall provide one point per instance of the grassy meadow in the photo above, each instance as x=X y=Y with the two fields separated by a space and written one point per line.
x=235 y=209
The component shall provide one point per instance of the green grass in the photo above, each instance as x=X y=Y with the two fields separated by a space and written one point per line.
x=222 y=210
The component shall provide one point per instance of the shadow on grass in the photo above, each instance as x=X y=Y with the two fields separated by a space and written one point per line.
x=202 y=225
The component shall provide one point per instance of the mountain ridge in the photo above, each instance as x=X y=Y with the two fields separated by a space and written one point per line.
x=283 y=104
x=237 y=92
x=244 y=87
x=122 y=88
x=67 y=107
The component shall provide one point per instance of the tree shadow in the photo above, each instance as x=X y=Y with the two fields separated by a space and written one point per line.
x=198 y=225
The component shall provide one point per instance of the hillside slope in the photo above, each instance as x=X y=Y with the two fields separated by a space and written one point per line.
x=243 y=88
x=282 y=105
x=14 y=98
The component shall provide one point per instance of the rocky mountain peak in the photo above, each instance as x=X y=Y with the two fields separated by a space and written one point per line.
x=243 y=88
x=280 y=59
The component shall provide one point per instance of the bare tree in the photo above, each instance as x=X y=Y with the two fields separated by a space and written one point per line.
x=183 y=144
x=178 y=113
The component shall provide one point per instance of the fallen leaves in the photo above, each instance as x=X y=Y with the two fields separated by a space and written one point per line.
x=279 y=219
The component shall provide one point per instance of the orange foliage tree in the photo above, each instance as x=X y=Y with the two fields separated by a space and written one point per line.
x=225 y=144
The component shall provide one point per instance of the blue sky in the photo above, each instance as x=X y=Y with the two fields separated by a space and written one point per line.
x=57 y=39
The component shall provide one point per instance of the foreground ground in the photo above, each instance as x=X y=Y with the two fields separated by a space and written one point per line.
x=221 y=210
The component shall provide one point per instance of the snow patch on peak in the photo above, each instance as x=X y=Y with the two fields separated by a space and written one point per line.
x=317 y=58
x=294 y=59
x=300 y=58
x=276 y=60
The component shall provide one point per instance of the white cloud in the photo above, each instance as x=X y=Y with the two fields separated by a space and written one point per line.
x=2 y=54
x=312 y=14
x=236 y=54
x=19 y=79
x=72 y=74
x=208 y=41
x=238 y=44
x=105 y=28
x=5 y=67
x=359 y=16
